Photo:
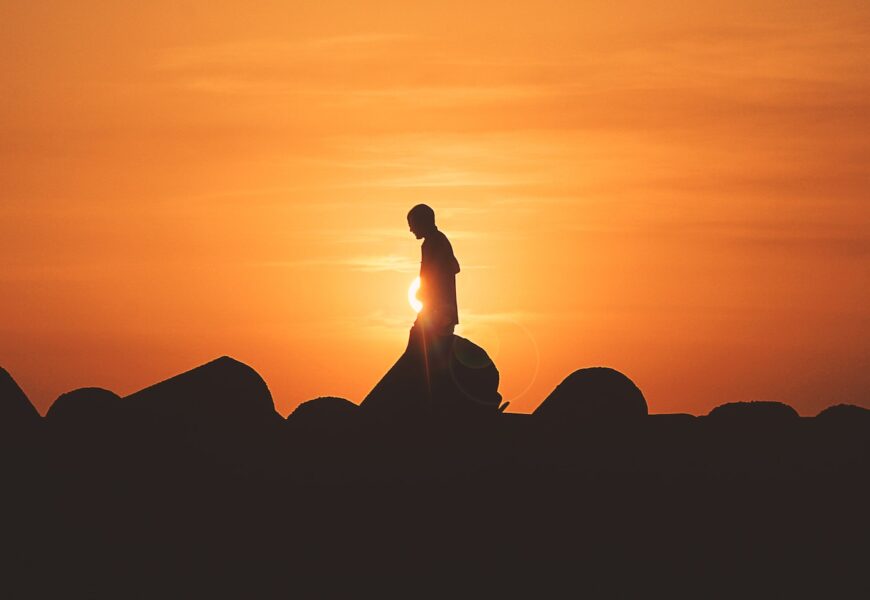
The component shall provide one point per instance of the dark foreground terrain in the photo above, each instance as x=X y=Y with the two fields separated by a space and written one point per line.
x=196 y=488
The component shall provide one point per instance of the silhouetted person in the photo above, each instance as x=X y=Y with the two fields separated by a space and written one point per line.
x=438 y=269
x=433 y=329
x=439 y=373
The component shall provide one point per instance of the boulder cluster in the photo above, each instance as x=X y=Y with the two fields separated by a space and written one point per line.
x=197 y=487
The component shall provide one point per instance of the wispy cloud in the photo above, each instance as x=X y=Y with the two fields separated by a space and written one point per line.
x=384 y=263
x=388 y=262
x=518 y=317
x=372 y=235
x=470 y=319
x=262 y=52
x=787 y=234
x=439 y=178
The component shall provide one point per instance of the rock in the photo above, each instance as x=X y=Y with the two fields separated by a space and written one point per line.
x=324 y=412
x=400 y=392
x=223 y=392
x=16 y=411
x=597 y=393
x=756 y=412
x=845 y=413
x=85 y=407
x=474 y=374
x=468 y=384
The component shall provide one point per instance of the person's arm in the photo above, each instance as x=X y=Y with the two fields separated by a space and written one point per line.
x=447 y=258
x=443 y=259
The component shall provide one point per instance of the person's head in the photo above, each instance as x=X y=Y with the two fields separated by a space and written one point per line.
x=421 y=220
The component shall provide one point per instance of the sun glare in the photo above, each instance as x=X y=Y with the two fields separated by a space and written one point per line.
x=412 y=295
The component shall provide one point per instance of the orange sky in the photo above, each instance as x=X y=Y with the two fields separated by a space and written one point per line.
x=679 y=192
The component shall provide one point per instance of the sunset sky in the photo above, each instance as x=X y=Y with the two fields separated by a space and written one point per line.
x=678 y=190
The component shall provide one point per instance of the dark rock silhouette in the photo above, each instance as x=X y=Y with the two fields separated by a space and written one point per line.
x=469 y=385
x=223 y=392
x=844 y=413
x=327 y=428
x=324 y=412
x=761 y=412
x=474 y=374
x=597 y=393
x=400 y=392
x=15 y=409
x=85 y=407
x=196 y=492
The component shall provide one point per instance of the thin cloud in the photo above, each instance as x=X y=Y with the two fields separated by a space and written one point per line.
x=270 y=51
x=374 y=234
x=389 y=262
x=392 y=263
x=802 y=237
x=517 y=317
x=446 y=178
x=384 y=263
x=520 y=318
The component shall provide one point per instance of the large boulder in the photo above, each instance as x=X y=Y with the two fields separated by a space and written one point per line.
x=473 y=374
x=223 y=393
x=326 y=412
x=88 y=436
x=16 y=411
x=467 y=384
x=597 y=393
x=89 y=407
x=845 y=413
x=400 y=392
x=760 y=412
x=843 y=421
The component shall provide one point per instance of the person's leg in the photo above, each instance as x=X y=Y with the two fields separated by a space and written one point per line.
x=431 y=345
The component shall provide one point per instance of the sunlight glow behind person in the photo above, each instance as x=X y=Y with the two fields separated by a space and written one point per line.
x=412 y=295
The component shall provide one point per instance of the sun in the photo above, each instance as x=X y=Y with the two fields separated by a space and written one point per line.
x=412 y=295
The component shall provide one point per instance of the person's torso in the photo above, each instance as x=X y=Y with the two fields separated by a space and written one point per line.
x=438 y=271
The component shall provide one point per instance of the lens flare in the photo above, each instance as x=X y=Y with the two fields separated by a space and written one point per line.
x=412 y=295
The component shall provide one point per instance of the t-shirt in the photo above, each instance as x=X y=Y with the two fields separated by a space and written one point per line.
x=438 y=271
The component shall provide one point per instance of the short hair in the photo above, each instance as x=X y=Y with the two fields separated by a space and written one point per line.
x=422 y=214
